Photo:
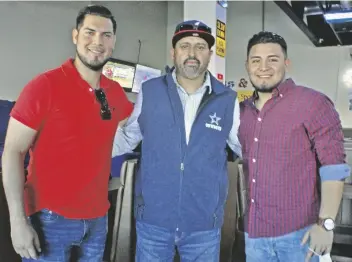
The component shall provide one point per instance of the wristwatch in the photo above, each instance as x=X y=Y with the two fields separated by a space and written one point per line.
x=327 y=223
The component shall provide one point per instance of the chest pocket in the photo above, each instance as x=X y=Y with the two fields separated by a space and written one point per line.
x=157 y=118
x=78 y=117
x=211 y=129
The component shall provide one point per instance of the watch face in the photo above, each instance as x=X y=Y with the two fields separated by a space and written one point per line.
x=329 y=224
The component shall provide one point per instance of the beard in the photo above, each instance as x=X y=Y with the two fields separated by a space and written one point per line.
x=266 y=88
x=93 y=65
x=191 y=71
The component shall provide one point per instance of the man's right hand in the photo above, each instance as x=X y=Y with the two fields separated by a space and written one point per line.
x=25 y=240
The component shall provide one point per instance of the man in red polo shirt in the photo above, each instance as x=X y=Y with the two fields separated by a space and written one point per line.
x=67 y=117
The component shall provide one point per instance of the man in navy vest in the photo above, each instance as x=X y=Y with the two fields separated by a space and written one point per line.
x=185 y=121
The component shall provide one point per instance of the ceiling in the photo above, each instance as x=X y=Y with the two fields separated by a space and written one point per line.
x=309 y=17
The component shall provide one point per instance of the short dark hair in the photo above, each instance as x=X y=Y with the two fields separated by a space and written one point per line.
x=265 y=37
x=97 y=10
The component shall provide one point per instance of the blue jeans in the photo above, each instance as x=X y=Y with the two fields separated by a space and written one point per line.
x=57 y=235
x=278 y=249
x=155 y=244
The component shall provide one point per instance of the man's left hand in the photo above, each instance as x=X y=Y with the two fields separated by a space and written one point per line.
x=320 y=241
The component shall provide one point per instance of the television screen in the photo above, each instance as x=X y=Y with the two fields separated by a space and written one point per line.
x=121 y=72
x=143 y=73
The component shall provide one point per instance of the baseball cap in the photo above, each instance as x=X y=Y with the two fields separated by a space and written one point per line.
x=193 y=28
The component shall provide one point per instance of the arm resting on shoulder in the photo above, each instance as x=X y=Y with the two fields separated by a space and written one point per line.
x=128 y=134
x=325 y=131
x=18 y=140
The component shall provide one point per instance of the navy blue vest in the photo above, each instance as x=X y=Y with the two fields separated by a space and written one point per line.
x=179 y=186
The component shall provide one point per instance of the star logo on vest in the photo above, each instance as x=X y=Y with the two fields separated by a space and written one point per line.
x=214 y=122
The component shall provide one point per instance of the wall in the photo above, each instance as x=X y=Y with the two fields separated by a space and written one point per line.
x=36 y=36
x=174 y=17
x=29 y=46
x=144 y=21
x=318 y=68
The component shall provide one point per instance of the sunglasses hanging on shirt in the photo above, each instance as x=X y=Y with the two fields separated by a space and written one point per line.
x=105 y=112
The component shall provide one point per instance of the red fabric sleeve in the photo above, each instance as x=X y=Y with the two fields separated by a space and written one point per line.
x=33 y=104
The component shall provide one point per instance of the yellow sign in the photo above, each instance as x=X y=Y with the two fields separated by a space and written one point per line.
x=220 y=38
x=244 y=94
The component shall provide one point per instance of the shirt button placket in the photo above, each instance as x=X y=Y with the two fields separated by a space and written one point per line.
x=258 y=126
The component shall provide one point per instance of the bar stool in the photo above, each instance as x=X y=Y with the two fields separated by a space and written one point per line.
x=123 y=235
x=342 y=247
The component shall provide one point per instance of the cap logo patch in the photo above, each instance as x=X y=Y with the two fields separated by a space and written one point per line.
x=195 y=34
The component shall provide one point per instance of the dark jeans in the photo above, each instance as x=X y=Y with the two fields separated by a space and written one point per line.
x=58 y=235
x=155 y=244
x=278 y=249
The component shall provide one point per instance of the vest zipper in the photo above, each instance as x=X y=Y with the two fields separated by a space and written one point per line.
x=205 y=100
x=182 y=168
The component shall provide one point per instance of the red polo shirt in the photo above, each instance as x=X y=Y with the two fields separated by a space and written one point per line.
x=71 y=156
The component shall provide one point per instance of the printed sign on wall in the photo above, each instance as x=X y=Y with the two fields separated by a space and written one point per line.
x=243 y=83
x=220 y=77
x=244 y=94
x=243 y=90
x=220 y=38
